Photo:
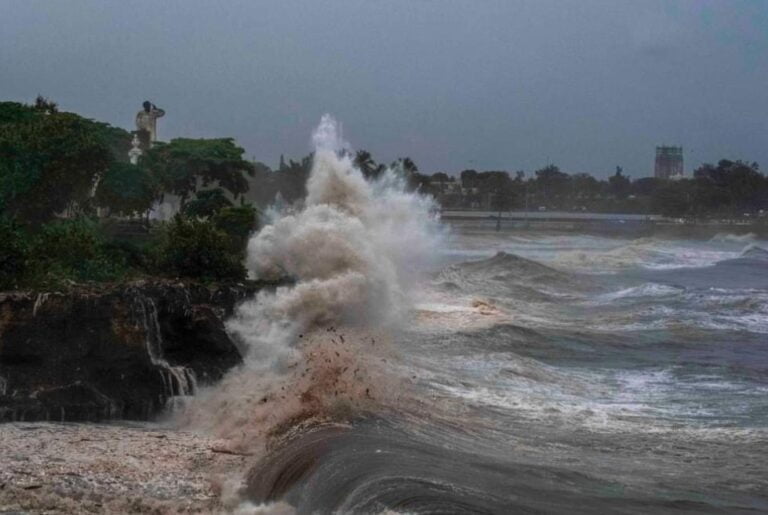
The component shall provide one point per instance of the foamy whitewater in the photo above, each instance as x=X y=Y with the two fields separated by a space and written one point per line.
x=413 y=370
x=353 y=250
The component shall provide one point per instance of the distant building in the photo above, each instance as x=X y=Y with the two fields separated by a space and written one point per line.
x=669 y=162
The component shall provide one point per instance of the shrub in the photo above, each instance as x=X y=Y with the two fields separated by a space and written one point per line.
x=14 y=255
x=238 y=223
x=72 y=250
x=197 y=249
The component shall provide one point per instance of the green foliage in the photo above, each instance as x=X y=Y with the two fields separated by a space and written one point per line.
x=207 y=203
x=364 y=162
x=72 y=250
x=672 y=199
x=238 y=223
x=647 y=186
x=118 y=140
x=731 y=186
x=550 y=182
x=585 y=186
x=183 y=164
x=48 y=163
x=291 y=178
x=14 y=254
x=502 y=192
x=60 y=252
x=198 y=249
x=406 y=168
x=14 y=112
x=619 y=185
x=406 y=165
x=731 y=189
x=126 y=189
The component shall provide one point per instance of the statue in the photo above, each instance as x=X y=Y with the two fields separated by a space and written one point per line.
x=135 y=152
x=146 y=124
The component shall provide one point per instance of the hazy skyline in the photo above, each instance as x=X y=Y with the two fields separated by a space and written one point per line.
x=512 y=85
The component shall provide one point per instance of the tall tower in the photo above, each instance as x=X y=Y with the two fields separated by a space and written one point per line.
x=669 y=162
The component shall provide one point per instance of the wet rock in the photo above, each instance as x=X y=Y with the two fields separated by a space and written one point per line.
x=113 y=351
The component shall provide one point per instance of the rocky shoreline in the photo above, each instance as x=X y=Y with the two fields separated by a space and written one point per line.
x=50 y=467
x=113 y=351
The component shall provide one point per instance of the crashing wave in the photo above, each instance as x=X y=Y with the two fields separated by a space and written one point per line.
x=508 y=275
x=316 y=349
x=754 y=252
x=733 y=238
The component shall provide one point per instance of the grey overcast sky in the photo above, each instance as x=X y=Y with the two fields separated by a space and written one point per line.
x=511 y=84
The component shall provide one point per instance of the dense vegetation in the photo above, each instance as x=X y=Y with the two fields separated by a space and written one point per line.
x=73 y=208
x=728 y=190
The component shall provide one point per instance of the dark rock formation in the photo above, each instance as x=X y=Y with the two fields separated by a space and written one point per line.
x=112 y=352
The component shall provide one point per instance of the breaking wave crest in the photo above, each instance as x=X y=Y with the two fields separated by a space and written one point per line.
x=754 y=252
x=733 y=238
x=508 y=275
x=353 y=249
x=647 y=253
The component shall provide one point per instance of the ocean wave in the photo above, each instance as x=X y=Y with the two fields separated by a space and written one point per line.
x=509 y=276
x=376 y=466
x=651 y=290
x=685 y=321
x=647 y=253
x=754 y=252
x=318 y=349
x=733 y=238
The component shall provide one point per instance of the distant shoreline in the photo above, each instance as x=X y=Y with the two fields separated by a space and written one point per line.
x=620 y=224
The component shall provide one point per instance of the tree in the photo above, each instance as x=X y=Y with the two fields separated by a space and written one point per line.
x=72 y=250
x=198 y=249
x=45 y=106
x=408 y=169
x=15 y=112
x=619 y=185
x=468 y=178
x=207 y=203
x=238 y=223
x=406 y=165
x=14 y=254
x=551 y=183
x=502 y=194
x=585 y=186
x=646 y=186
x=183 y=165
x=49 y=162
x=673 y=199
x=364 y=162
x=732 y=186
x=126 y=189
x=292 y=178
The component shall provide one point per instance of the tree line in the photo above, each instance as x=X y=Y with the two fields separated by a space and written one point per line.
x=728 y=189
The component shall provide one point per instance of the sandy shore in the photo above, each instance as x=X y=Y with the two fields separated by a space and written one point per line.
x=108 y=468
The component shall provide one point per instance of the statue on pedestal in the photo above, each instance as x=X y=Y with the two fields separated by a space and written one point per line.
x=146 y=124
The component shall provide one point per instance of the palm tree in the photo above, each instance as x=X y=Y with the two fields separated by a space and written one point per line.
x=365 y=163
